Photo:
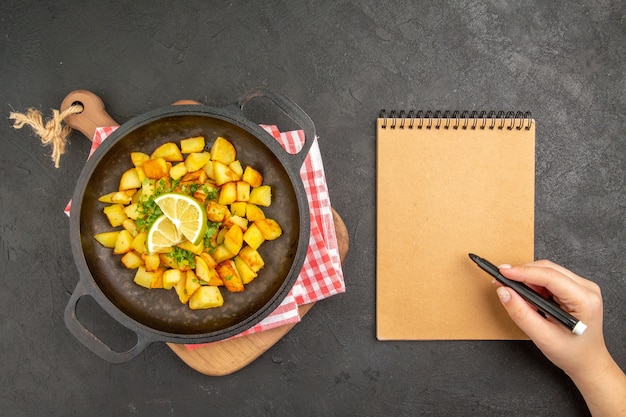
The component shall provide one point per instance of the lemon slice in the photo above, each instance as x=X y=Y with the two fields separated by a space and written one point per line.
x=163 y=234
x=186 y=213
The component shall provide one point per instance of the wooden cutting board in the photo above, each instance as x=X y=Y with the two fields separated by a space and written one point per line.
x=230 y=355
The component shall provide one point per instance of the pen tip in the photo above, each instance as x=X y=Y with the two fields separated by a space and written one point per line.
x=472 y=256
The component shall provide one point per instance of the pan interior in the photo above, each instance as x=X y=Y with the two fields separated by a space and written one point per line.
x=160 y=309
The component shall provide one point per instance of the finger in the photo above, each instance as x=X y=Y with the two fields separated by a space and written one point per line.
x=541 y=290
x=549 y=264
x=561 y=285
x=526 y=316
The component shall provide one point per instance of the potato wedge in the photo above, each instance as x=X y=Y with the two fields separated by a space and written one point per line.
x=228 y=194
x=216 y=212
x=223 y=151
x=253 y=236
x=238 y=208
x=239 y=221
x=138 y=158
x=233 y=239
x=214 y=278
x=107 y=239
x=130 y=180
x=206 y=297
x=198 y=176
x=194 y=144
x=252 y=177
x=252 y=257
x=191 y=282
x=229 y=275
x=123 y=242
x=157 y=278
x=236 y=167
x=177 y=171
x=243 y=191
x=151 y=261
x=139 y=243
x=202 y=269
x=261 y=196
x=208 y=168
x=196 y=160
x=168 y=151
x=107 y=198
x=223 y=174
x=132 y=260
x=181 y=289
x=254 y=212
x=270 y=229
x=245 y=272
x=143 y=277
x=220 y=254
x=208 y=259
x=207 y=274
x=129 y=224
x=131 y=211
x=171 y=277
x=141 y=174
x=155 y=168
x=123 y=197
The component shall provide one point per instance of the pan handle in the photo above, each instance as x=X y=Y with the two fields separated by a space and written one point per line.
x=294 y=112
x=91 y=341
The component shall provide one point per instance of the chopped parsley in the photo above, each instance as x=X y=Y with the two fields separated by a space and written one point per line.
x=148 y=211
x=211 y=230
x=189 y=189
x=182 y=257
x=211 y=193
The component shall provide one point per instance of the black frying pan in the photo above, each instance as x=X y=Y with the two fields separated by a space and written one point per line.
x=157 y=315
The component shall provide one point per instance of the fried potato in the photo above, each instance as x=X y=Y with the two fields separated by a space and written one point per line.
x=261 y=196
x=206 y=297
x=194 y=144
x=236 y=227
x=168 y=151
x=229 y=275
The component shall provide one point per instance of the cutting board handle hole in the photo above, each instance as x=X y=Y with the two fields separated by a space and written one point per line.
x=78 y=103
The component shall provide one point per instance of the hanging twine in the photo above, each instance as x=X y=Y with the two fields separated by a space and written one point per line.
x=52 y=132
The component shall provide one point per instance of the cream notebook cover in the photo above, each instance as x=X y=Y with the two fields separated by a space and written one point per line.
x=448 y=185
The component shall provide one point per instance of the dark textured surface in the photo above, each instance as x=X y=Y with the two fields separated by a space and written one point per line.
x=342 y=62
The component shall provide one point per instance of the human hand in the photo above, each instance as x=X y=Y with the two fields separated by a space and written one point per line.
x=585 y=357
x=578 y=356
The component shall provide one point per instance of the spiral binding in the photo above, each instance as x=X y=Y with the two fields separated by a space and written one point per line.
x=456 y=119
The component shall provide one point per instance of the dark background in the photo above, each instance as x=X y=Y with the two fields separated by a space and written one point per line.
x=342 y=62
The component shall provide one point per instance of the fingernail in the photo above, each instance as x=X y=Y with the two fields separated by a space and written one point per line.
x=504 y=266
x=503 y=294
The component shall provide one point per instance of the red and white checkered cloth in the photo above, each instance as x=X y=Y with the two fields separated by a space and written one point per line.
x=321 y=274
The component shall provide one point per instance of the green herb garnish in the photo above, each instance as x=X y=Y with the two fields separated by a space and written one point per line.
x=148 y=211
x=182 y=257
x=211 y=230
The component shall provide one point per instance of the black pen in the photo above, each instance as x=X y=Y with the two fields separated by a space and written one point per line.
x=547 y=307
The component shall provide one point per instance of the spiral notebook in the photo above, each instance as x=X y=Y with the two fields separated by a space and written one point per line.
x=450 y=183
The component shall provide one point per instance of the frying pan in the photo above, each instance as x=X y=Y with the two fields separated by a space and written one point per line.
x=157 y=315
